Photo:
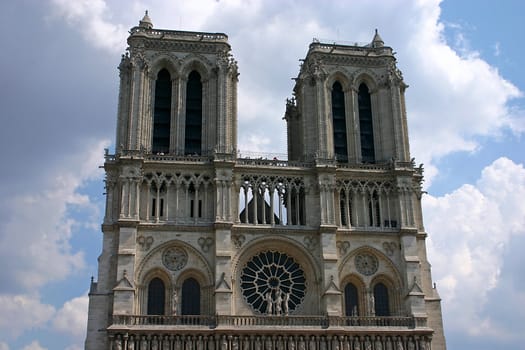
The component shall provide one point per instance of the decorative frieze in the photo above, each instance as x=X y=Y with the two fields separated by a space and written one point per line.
x=254 y=341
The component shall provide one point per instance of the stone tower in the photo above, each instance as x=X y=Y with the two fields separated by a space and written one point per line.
x=204 y=250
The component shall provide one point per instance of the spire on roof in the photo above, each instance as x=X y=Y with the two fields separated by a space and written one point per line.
x=377 y=41
x=145 y=22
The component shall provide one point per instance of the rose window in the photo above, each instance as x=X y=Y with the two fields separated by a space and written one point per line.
x=273 y=283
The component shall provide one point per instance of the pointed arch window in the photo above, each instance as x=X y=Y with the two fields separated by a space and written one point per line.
x=339 y=122
x=345 y=207
x=366 y=128
x=156 y=297
x=374 y=210
x=381 y=300
x=193 y=130
x=162 y=113
x=191 y=297
x=351 y=300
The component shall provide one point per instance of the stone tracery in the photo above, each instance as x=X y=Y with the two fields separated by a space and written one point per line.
x=273 y=283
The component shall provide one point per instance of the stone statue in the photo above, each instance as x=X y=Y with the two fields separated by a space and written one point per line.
x=177 y=343
x=166 y=343
x=357 y=344
x=174 y=302
x=322 y=343
x=368 y=344
x=211 y=343
x=224 y=343
x=335 y=343
x=154 y=344
x=200 y=343
x=235 y=343
x=143 y=343
x=346 y=343
x=268 y=343
x=302 y=345
x=278 y=303
x=311 y=343
x=411 y=345
x=118 y=344
x=378 y=345
x=246 y=343
x=188 y=344
x=131 y=343
x=354 y=311
x=280 y=343
x=291 y=343
x=388 y=343
x=399 y=344
x=286 y=301
x=372 y=305
x=258 y=344
x=269 y=303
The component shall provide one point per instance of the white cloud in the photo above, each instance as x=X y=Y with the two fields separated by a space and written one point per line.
x=3 y=346
x=35 y=239
x=91 y=17
x=470 y=229
x=72 y=317
x=22 y=312
x=455 y=96
x=35 y=244
x=35 y=345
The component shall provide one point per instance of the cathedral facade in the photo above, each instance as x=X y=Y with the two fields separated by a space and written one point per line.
x=204 y=249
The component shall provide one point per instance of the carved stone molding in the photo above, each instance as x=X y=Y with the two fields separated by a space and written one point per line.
x=389 y=248
x=205 y=243
x=311 y=242
x=238 y=240
x=174 y=258
x=343 y=247
x=145 y=242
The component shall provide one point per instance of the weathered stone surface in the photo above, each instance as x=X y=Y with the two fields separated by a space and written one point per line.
x=323 y=251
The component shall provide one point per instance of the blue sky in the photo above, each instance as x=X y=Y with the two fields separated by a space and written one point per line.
x=466 y=112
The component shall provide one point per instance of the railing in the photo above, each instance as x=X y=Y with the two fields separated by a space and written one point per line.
x=275 y=321
x=169 y=157
x=289 y=321
x=273 y=162
x=261 y=161
x=155 y=320
x=178 y=34
x=372 y=321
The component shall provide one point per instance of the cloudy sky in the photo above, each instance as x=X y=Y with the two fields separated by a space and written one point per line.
x=466 y=109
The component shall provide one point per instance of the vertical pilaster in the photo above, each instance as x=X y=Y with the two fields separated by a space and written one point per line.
x=124 y=290
x=123 y=104
x=223 y=270
x=137 y=102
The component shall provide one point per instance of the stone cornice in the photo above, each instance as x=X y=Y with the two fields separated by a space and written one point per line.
x=175 y=227
x=178 y=46
x=275 y=230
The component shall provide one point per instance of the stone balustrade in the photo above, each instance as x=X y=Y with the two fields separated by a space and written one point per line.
x=180 y=35
x=221 y=321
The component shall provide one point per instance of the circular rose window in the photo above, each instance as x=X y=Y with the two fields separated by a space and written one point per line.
x=273 y=283
x=366 y=264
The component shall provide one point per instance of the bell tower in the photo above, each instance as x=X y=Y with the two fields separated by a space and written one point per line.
x=348 y=105
x=175 y=88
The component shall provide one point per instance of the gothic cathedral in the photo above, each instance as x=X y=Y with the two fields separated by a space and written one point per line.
x=204 y=249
